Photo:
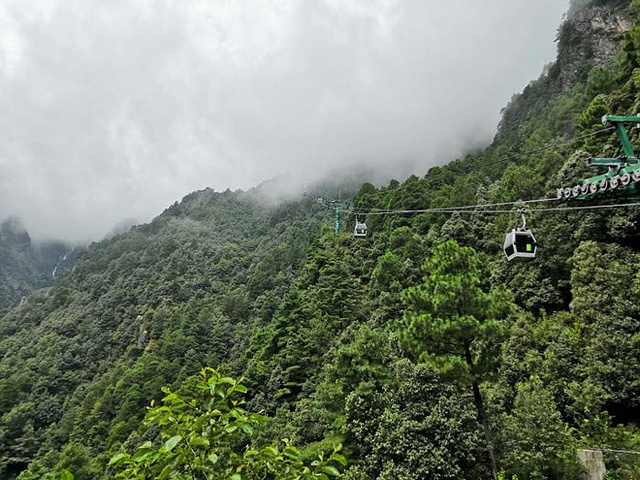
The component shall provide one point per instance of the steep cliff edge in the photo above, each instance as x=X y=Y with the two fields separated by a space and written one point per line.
x=589 y=41
x=25 y=265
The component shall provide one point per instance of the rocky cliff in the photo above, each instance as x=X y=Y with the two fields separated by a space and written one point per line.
x=24 y=265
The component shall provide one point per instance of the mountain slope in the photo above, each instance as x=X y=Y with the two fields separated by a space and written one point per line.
x=573 y=340
x=140 y=310
x=317 y=322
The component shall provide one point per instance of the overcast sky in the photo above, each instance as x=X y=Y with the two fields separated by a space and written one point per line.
x=115 y=109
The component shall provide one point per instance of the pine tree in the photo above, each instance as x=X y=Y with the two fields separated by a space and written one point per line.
x=454 y=321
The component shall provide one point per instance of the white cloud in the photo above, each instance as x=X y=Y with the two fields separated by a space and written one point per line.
x=115 y=109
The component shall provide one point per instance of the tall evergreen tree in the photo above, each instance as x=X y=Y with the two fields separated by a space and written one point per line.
x=455 y=321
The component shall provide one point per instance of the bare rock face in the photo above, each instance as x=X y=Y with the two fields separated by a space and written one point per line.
x=605 y=23
x=26 y=265
x=610 y=22
x=13 y=233
x=590 y=37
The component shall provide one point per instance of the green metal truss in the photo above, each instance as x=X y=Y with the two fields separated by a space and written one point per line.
x=337 y=206
x=623 y=174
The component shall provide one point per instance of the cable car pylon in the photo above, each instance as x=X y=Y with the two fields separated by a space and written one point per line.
x=337 y=206
x=623 y=174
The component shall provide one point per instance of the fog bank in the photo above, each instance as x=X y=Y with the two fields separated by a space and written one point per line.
x=114 y=110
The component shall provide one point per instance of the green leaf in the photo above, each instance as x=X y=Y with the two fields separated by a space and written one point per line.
x=236 y=476
x=116 y=458
x=291 y=452
x=331 y=470
x=66 y=475
x=248 y=429
x=141 y=454
x=200 y=442
x=341 y=459
x=271 y=451
x=166 y=471
x=170 y=398
x=213 y=458
x=171 y=443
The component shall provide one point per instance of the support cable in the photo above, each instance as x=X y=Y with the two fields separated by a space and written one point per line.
x=628 y=452
x=483 y=210
x=548 y=146
x=478 y=206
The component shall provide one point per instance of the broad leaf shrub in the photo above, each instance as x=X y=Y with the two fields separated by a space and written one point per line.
x=203 y=432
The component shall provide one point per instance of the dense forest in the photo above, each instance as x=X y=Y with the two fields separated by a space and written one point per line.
x=234 y=338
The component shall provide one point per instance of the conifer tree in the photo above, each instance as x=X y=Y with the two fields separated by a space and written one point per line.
x=454 y=320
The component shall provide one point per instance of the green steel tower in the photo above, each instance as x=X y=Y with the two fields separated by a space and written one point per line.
x=337 y=206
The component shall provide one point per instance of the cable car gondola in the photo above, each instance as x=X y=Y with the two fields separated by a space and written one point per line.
x=360 y=230
x=520 y=244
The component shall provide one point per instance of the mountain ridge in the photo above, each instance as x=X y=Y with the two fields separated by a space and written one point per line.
x=25 y=265
x=313 y=319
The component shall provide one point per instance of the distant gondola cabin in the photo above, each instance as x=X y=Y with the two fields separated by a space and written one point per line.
x=360 y=230
x=520 y=245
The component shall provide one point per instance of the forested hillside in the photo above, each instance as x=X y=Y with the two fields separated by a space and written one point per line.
x=419 y=348
x=142 y=310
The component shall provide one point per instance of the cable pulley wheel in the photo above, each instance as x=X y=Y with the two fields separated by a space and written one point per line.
x=625 y=179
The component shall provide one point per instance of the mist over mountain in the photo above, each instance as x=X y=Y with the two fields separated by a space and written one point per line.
x=26 y=265
x=114 y=110
x=245 y=334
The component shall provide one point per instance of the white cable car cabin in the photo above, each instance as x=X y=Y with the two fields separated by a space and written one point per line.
x=520 y=244
x=360 y=230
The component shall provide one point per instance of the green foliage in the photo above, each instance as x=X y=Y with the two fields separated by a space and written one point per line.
x=455 y=313
x=141 y=310
x=610 y=322
x=454 y=321
x=502 y=476
x=416 y=426
x=542 y=357
x=204 y=432
x=535 y=442
x=66 y=475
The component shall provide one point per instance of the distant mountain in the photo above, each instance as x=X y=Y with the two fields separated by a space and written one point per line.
x=419 y=348
x=26 y=265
